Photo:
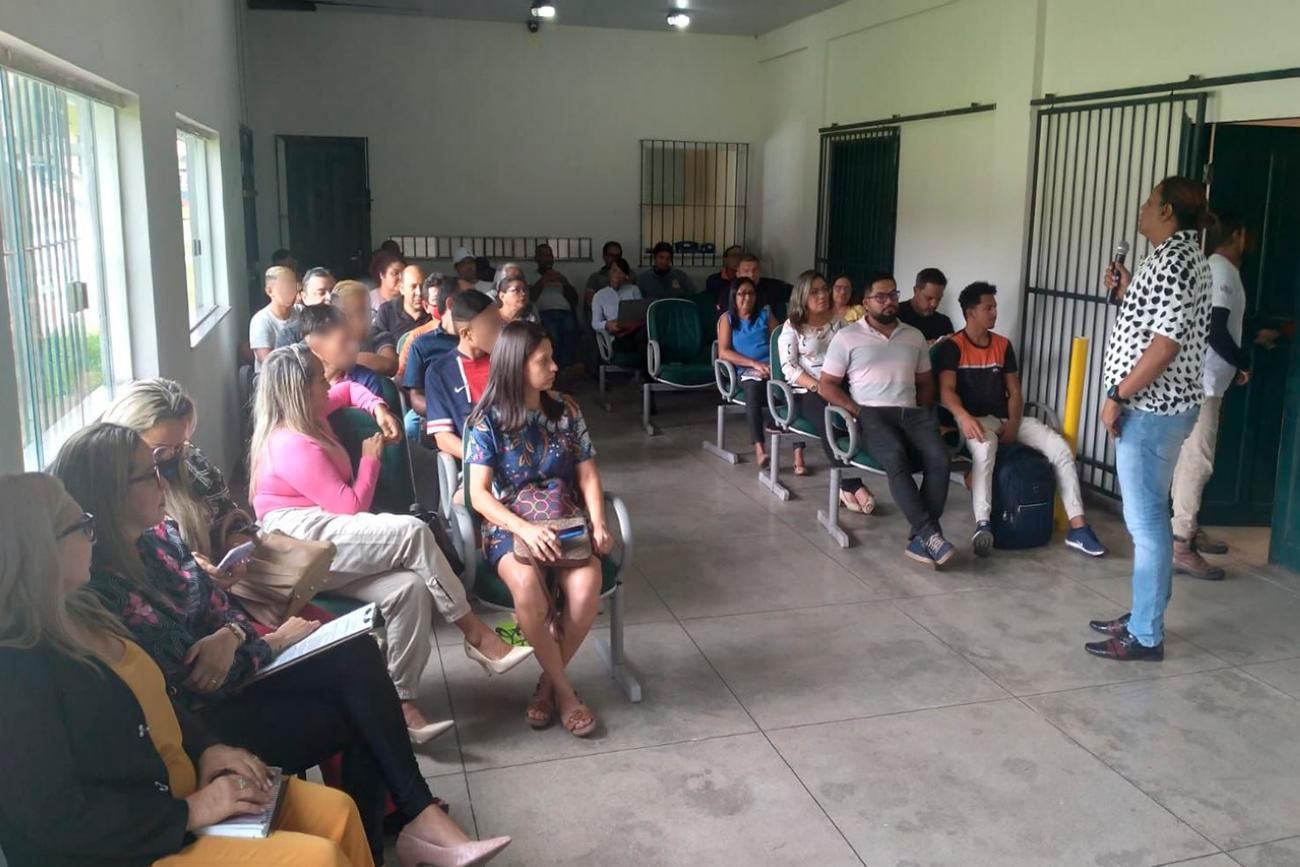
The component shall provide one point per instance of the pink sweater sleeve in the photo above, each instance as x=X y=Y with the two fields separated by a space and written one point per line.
x=351 y=394
x=301 y=464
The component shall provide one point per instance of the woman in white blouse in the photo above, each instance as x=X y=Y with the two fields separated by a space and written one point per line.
x=802 y=346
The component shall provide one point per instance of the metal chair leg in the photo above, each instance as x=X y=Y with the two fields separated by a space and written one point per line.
x=768 y=478
x=830 y=517
x=611 y=650
x=719 y=449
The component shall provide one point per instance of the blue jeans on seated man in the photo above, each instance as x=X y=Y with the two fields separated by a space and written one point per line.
x=563 y=328
x=901 y=438
x=1146 y=453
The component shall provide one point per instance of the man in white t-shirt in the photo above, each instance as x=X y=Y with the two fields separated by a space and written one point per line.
x=466 y=265
x=267 y=324
x=1225 y=363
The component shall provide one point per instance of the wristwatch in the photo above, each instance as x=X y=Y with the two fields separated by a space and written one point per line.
x=238 y=633
x=1112 y=393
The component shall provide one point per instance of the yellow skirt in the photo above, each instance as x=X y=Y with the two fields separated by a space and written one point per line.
x=318 y=827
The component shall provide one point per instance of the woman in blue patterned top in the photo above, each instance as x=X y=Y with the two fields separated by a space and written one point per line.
x=528 y=451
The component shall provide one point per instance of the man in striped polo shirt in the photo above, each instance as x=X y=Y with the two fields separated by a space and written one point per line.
x=891 y=394
x=979 y=383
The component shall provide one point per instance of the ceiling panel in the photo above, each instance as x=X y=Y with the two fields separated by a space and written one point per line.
x=735 y=17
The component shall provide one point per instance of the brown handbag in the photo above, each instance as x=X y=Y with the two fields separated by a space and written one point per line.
x=284 y=574
x=573 y=551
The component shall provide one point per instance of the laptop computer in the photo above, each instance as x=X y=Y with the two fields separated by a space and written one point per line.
x=632 y=310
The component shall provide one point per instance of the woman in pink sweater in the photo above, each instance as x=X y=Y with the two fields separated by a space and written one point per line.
x=302 y=485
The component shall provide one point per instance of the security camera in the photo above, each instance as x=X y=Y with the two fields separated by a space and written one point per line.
x=533 y=25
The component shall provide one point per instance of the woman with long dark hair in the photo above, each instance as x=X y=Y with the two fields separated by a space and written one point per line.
x=745 y=339
x=528 y=455
x=339 y=700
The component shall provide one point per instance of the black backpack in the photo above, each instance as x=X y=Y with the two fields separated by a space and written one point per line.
x=1024 y=495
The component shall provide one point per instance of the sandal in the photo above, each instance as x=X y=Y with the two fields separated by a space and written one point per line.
x=580 y=722
x=541 y=708
x=801 y=470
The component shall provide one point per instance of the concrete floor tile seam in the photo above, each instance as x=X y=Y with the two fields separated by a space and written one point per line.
x=973 y=663
x=460 y=747
x=1285 y=839
x=615 y=751
x=683 y=619
x=1242 y=670
x=1131 y=782
x=887 y=714
x=1153 y=676
x=1194 y=859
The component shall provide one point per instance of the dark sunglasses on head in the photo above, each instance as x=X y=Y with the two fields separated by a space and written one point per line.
x=86 y=526
x=167 y=460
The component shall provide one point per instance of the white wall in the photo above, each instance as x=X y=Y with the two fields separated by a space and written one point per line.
x=483 y=128
x=173 y=56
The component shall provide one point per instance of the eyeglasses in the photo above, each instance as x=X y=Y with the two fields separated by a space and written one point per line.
x=85 y=526
x=883 y=297
x=154 y=472
x=513 y=290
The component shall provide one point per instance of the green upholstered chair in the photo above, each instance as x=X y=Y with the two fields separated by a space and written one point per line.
x=395 y=492
x=731 y=402
x=851 y=461
x=787 y=423
x=677 y=350
x=482 y=579
x=612 y=361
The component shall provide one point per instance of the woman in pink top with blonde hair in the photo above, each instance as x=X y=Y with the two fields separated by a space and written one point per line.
x=302 y=485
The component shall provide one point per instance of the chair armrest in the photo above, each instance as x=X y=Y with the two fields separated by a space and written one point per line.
x=462 y=524
x=724 y=374
x=604 y=345
x=653 y=357
x=1048 y=416
x=780 y=402
x=448 y=481
x=615 y=502
x=713 y=351
x=838 y=418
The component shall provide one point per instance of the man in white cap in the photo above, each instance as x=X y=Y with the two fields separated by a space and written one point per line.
x=467 y=270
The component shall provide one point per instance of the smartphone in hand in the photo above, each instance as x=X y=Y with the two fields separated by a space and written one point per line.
x=235 y=556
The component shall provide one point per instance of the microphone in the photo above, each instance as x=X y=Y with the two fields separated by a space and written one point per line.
x=1120 y=254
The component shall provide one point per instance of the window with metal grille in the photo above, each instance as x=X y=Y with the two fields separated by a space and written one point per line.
x=60 y=222
x=198 y=158
x=694 y=195
x=494 y=247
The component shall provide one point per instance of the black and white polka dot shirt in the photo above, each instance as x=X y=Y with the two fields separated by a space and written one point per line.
x=1169 y=295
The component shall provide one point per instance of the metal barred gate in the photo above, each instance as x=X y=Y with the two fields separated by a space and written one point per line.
x=1094 y=163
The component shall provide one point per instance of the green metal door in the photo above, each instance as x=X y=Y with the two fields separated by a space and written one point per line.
x=1256 y=171
x=858 y=206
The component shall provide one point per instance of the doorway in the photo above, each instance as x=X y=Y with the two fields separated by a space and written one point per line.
x=1255 y=170
x=857 y=210
x=325 y=201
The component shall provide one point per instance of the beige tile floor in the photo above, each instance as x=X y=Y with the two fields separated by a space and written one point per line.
x=807 y=705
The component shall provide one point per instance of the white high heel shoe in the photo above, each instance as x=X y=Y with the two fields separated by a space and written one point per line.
x=424 y=734
x=498 y=666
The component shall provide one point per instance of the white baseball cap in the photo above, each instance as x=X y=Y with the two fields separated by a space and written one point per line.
x=463 y=253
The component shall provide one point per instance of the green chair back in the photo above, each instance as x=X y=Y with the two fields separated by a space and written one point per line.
x=675 y=324
x=394 y=492
x=391 y=395
x=774 y=354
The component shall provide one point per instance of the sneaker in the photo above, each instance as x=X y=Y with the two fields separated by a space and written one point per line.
x=917 y=552
x=982 y=539
x=939 y=548
x=1188 y=562
x=1207 y=545
x=1083 y=539
x=1118 y=626
x=1125 y=648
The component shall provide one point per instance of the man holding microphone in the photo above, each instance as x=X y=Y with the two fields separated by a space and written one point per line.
x=1155 y=359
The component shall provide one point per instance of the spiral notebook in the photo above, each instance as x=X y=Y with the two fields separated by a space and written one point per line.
x=349 y=626
x=251 y=824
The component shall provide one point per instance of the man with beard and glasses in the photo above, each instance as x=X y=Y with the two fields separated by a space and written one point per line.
x=891 y=394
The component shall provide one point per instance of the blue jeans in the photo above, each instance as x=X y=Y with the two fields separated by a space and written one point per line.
x=1145 y=455
x=563 y=328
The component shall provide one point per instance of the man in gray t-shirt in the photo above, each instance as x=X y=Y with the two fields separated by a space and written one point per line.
x=663 y=280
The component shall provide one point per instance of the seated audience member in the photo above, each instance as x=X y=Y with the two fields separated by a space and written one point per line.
x=339 y=699
x=525 y=440
x=376 y=350
x=597 y=280
x=326 y=333
x=267 y=324
x=745 y=339
x=844 y=306
x=662 y=280
x=407 y=311
x=456 y=380
x=719 y=285
x=466 y=265
x=391 y=246
x=922 y=310
x=557 y=303
x=801 y=349
x=285 y=259
x=386 y=272
x=82 y=784
x=512 y=295
x=317 y=289
x=629 y=336
x=433 y=289
x=504 y=270
x=891 y=394
x=771 y=292
x=302 y=484
x=979 y=383
x=421 y=353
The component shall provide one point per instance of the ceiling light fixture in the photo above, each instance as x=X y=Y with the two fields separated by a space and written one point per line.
x=542 y=10
x=679 y=19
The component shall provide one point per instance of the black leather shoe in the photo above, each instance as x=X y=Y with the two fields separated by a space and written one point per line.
x=1110 y=627
x=1125 y=648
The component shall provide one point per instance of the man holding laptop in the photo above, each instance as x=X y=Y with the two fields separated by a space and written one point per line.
x=618 y=311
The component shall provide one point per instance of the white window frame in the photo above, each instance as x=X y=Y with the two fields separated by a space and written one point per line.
x=65 y=276
x=202 y=238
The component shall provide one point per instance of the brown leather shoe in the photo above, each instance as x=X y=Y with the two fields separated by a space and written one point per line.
x=1188 y=562
x=1208 y=545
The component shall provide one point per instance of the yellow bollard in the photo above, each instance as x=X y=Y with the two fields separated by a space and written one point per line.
x=1073 y=409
